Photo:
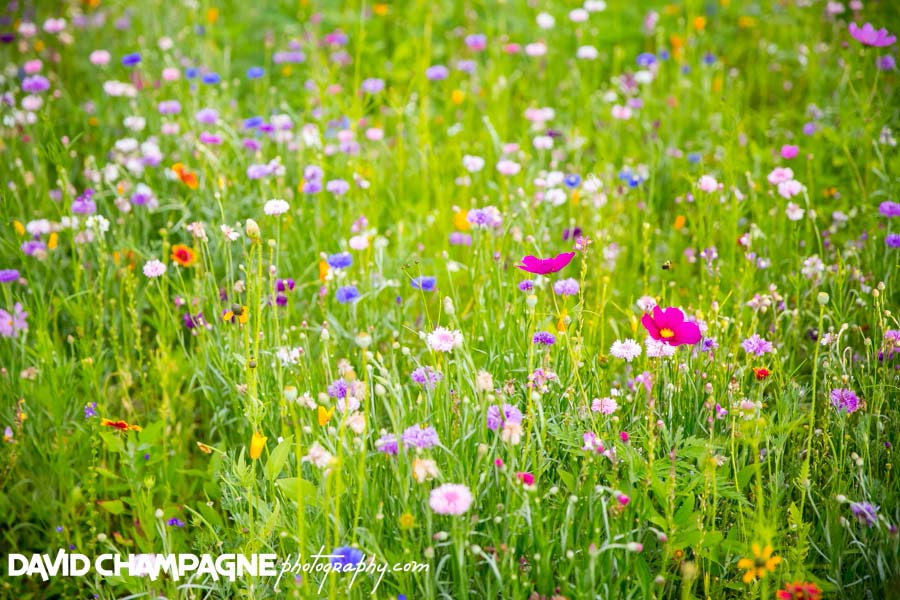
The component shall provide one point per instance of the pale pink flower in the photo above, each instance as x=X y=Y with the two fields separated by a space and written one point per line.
x=444 y=340
x=450 y=499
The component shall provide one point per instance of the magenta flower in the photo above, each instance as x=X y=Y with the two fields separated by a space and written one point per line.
x=543 y=266
x=869 y=36
x=668 y=326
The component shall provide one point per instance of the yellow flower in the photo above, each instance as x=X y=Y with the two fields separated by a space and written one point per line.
x=407 y=521
x=561 y=324
x=761 y=564
x=20 y=229
x=460 y=221
x=324 y=415
x=257 y=443
x=457 y=96
x=380 y=9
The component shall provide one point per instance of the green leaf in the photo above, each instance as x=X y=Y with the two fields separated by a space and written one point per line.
x=105 y=472
x=113 y=442
x=277 y=458
x=567 y=478
x=115 y=507
x=293 y=487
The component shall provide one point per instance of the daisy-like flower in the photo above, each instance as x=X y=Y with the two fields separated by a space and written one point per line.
x=444 y=340
x=760 y=565
x=450 y=499
x=799 y=590
x=668 y=325
x=627 y=350
x=154 y=268
x=183 y=255
x=276 y=207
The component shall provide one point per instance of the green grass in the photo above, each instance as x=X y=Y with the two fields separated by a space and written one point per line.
x=778 y=466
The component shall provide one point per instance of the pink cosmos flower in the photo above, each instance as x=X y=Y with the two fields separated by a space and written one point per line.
x=543 y=266
x=869 y=36
x=789 y=151
x=450 y=499
x=668 y=326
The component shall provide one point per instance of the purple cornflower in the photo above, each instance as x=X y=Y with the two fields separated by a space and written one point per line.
x=35 y=84
x=207 y=116
x=338 y=389
x=33 y=247
x=285 y=285
x=169 y=107
x=420 y=436
x=566 y=287
x=460 y=239
x=886 y=63
x=526 y=286
x=889 y=209
x=8 y=275
x=191 y=321
x=338 y=187
x=83 y=204
x=495 y=418
x=347 y=294
x=175 y=522
x=437 y=73
x=844 y=400
x=756 y=345
x=387 y=444
x=865 y=512
x=544 y=337
x=892 y=240
x=426 y=377
x=90 y=410
x=372 y=85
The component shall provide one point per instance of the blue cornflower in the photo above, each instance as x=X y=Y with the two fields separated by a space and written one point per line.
x=253 y=122
x=693 y=157
x=347 y=294
x=90 y=410
x=175 y=522
x=341 y=260
x=345 y=558
x=426 y=284
x=646 y=59
x=255 y=72
x=129 y=60
x=211 y=78
x=572 y=181
x=191 y=72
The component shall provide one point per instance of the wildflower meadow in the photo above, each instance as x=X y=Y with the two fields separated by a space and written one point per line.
x=507 y=299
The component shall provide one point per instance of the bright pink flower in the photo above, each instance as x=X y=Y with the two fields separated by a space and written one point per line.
x=543 y=266
x=526 y=478
x=668 y=326
x=869 y=36
x=788 y=151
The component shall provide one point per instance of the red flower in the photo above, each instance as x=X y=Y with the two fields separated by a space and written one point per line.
x=761 y=373
x=667 y=325
x=543 y=266
x=799 y=591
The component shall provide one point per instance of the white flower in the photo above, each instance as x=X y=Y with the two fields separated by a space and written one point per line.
x=229 y=233
x=276 y=207
x=794 y=212
x=587 y=53
x=444 y=340
x=154 y=268
x=789 y=189
x=318 y=456
x=545 y=21
x=657 y=349
x=627 y=349
x=708 y=184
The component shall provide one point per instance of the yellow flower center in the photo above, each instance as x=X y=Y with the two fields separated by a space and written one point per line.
x=666 y=333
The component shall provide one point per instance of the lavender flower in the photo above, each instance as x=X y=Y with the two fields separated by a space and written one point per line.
x=844 y=400
x=420 y=436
